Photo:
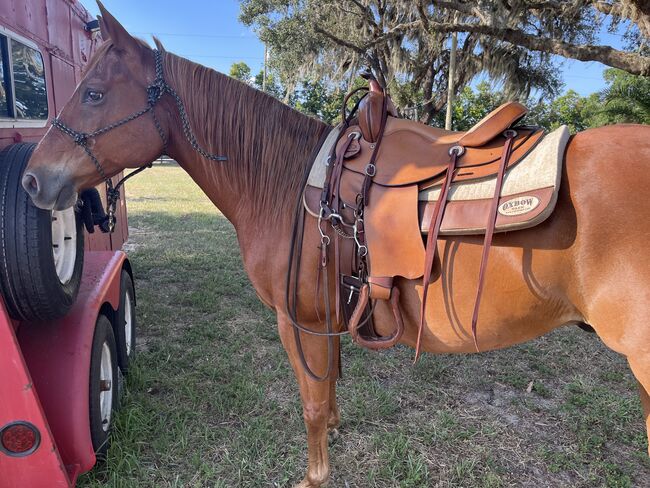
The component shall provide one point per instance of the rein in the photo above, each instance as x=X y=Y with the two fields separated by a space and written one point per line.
x=155 y=92
x=293 y=266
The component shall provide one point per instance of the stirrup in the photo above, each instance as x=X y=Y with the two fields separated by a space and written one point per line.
x=377 y=342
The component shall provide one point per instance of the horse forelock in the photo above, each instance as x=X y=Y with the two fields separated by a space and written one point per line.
x=104 y=49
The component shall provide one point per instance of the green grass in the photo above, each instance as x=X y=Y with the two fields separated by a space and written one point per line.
x=212 y=402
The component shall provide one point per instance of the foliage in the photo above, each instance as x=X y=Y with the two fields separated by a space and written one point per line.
x=240 y=71
x=578 y=113
x=272 y=86
x=406 y=43
x=314 y=98
x=471 y=106
x=627 y=99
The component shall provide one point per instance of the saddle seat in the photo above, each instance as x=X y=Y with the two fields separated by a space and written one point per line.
x=416 y=153
x=489 y=127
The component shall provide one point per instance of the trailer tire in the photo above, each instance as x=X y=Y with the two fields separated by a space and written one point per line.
x=41 y=252
x=104 y=386
x=126 y=324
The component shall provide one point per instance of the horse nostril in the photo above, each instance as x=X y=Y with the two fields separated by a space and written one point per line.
x=30 y=184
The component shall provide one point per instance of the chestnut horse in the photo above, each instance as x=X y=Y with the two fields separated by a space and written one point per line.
x=589 y=263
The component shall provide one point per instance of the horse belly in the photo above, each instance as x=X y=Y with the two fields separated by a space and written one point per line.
x=523 y=298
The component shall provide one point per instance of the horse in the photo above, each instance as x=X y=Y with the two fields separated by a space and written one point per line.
x=588 y=263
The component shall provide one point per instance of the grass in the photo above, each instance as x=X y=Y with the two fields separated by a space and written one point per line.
x=212 y=402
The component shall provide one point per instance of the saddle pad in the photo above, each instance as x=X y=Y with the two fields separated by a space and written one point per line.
x=318 y=171
x=528 y=196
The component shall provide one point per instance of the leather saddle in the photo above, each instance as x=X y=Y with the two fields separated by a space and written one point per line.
x=377 y=167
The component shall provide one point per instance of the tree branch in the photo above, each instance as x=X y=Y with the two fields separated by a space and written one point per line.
x=339 y=41
x=630 y=62
x=636 y=11
x=366 y=12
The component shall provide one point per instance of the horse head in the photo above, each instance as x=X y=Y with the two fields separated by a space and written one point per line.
x=87 y=143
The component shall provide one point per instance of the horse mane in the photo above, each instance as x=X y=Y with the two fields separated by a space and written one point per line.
x=267 y=142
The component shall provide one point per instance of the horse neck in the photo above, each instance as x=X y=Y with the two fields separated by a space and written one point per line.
x=266 y=142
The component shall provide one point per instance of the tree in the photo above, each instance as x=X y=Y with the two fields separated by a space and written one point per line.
x=273 y=88
x=564 y=28
x=471 y=106
x=240 y=71
x=406 y=42
x=314 y=98
x=627 y=98
x=301 y=36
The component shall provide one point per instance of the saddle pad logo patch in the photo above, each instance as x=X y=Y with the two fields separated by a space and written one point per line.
x=519 y=206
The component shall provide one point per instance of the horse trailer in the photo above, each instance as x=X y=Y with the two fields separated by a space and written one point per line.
x=67 y=305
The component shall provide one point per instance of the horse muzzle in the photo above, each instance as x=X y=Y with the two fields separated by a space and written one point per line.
x=48 y=190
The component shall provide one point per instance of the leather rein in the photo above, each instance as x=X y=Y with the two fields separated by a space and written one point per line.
x=155 y=92
x=293 y=266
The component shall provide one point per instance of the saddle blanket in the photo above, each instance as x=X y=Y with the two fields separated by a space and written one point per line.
x=528 y=197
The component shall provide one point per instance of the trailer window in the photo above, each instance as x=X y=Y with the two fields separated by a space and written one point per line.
x=29 y=82
x=4 y=79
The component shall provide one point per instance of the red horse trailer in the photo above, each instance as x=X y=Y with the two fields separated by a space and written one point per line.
x=67 y=310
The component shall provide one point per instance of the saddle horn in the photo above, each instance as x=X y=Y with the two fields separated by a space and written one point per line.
x=373 y=84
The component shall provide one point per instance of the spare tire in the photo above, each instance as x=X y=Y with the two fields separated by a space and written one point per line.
x=41 y=251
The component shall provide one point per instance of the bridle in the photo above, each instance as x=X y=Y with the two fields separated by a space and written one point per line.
x=155 y=92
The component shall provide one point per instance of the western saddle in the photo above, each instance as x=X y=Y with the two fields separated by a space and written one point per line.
x=376 y=169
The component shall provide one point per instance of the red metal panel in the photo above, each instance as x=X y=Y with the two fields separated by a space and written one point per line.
x=32 y=17
x=64 y=74
x=7 y=12
x=58 y=356
x=19 y=401
x=58 y=25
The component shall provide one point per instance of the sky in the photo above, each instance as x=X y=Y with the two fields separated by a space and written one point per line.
x=209 y=32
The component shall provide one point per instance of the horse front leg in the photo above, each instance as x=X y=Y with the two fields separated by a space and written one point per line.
x=334 y=419
x=316 y=402
x=641 y=368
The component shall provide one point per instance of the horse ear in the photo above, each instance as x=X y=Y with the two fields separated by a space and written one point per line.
x=113 y=30
x=159 y=45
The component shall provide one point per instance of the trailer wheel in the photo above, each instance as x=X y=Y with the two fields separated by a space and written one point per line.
x=103 y=385
x=41 y=251
x=125 y=326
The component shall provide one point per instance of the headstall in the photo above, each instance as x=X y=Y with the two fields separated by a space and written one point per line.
x=155 y=92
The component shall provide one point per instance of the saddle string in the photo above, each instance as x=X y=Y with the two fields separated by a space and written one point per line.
x=436 y=223
x=155 y=92
x=432 y=239
x=487 y=242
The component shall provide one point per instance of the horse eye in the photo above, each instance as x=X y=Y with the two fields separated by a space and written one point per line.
x=94 y=96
